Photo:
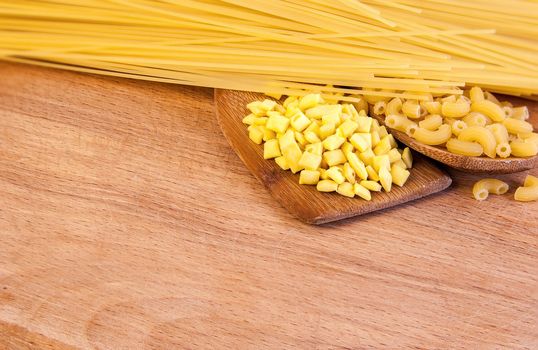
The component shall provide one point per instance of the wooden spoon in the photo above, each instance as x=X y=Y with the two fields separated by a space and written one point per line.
x=305 y=202
x=475 y=164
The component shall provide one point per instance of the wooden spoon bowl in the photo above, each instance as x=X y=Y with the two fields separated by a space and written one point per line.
x=305 y=202
x=474 y=164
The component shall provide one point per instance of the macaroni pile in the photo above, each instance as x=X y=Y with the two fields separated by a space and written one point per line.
x=526 y=193
x=336 y=147
x=472 y=124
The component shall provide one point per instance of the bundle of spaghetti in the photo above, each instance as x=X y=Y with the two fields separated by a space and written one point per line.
x=388 y=48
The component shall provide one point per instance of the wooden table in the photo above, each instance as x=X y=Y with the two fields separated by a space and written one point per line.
x=126 y=222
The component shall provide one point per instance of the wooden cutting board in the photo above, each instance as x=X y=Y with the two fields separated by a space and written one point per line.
x=127 y=222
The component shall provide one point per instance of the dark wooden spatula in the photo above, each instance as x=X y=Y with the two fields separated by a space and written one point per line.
x=305 y=202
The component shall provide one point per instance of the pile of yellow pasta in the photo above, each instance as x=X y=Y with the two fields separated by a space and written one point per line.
x=472 y=124
x=526 y=193
x=336 y=147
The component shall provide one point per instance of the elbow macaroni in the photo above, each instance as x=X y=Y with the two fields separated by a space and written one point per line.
x=484 y=187
x=529 y=191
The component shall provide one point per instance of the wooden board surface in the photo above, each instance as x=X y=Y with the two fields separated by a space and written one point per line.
x=305 y=202
x=127 y=222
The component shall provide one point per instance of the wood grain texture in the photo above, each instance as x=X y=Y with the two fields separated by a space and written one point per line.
x=127 y=222
x=305 y=202
x=475 y=164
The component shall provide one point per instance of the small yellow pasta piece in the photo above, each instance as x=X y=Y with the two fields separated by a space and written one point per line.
x=327 y=186
x=365 y=124
x=346 y=189
x=383 y=146
x=530 y=137
x=499 y=132
x=490 y=97
x=382 y=161
x=465 y=148
x=400 y=163
x=523 y=148
x=334 y=157
x=293 y=154
x=457 y=126
x=399 y=175
x=277 y=123
x=476 y=94
x=271 y=149
x=310 y=161
x=475 y=119
x=398 y=122
x=529 y=191
x=299 y=121
x=382 y=131
x=331 y=118
x=375 y=138
x=357 y=165
x=309 y=101
x=489 y=109
x=394 y=107
x=503 y=150
x=411 y=109
x=481 y=135
x=346 y=148
x=367 y=156
x=436 y=137
x=361 y=141
x=455 y=109
x=362 y=192
x=349 y=173
x=385 y=178
x=515 y=126
x=347 y=128
x=431 y=122
x=309 y=177
x=379 y=107
x=432 y=107
x=336 y=174
x=394 y=155
x=508 y=111
x=282 y=162
x=372 y=175
x=484 y=187
x=371 y=185
x=520 y=113
x=407 y=157
x=255 y=133
x=326 y=130
x=333 y=142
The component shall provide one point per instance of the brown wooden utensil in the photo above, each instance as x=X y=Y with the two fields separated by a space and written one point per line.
x=475 y=164
x=305 y=202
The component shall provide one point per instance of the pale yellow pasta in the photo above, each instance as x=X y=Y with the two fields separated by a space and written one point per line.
x=516 y=126
x=456 y=109
x=457 y=126
x=503 y=150
x=411 y=129
x=476 y=94
x=411 y=109
x=399 y=175
x=379 y=107
x=481 y=135
x=433 y=107
x=521 y=113
x=530 y=137
x=508 y=111
x=529 y=191
x=489 y=109
x=484 y=187
x=398 y=122
x=433 y=137
x=499 y=132
x=464 y=148
x=490 y=97
x=431 y=122
x=394 y=107
x=475 y=119
x=524 y=148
